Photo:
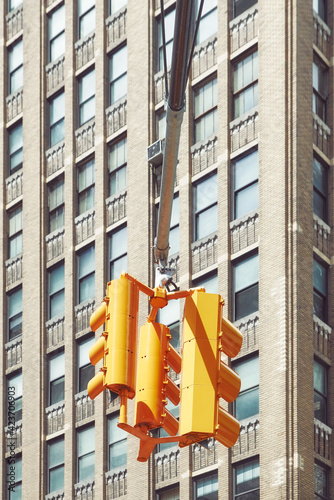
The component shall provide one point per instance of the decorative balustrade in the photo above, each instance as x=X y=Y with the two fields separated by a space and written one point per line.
x=322 y=439
x=55 y=332
x=55 y=244
x=321 y=236
x=14 y=185
x=84 y=50
x=244 y=231
x=84 y=226
x=321 y=337
x=157 y=176
x=84 y=406
x=159 y=86
x=85 y=138
x=116 y=28
x=202 y=457
x=116 y=484
x=55 y=158
x=55 y=495
x=14 y=22
x=322 y=35
x=82 y=314
x=55 y=417
x=243 y=29
x=13 y=350
x=244 y=130
x=205 y=56
x=248 y=440
x=55 y=74
x=13 y=435
x=13 y=268
x=116 y=208
x=321 y=135
x=204 y=253
x=84 y=490
x=249 y=329
x=116 y=116
x=203 y=154
x=14 y=104
x=167 y=464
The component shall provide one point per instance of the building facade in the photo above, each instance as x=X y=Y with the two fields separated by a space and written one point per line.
x=82 y=104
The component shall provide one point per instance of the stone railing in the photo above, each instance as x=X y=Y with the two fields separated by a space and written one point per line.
x=243 y=29
x=203 y=457
x=116 y=28
x=13 y=268
x=205 y=56
x=55 y=495
x=248 y=440
x=14 y=104
x=55 y=158
x=14 y=185
x=84 y=226
x=204 y=253
x=116 y=208
x=167 y=464
x=321 y=337
x=244 y=130
x=84 y=490
x=159 y=86
x=116 y=116
x=55 y=331
x=85 y=137
x=157 y=176
x=14 y=433
x=82 y=314
x=244 y=231
x=55 y=244
x=55 y=417
x=13 y=350
x=116 y=484
x=322 y=439
x=321 y=236
x=248 y=326
x=84 y=406
x=322 y=35
x=14 y=21
x=203 y=154
x=321 y=135
x=55 y=74
x=84 y=50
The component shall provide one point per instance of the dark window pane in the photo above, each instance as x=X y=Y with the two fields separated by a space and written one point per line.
x=118 y=454
x=241 y=5
x=320 y=407
x=86 y=466
x=57 y=479
x=247 y=404
x=246 y=302
x=319 y=206
x=87 y=288
x=85 y=374
x=57 y=391
x=246 y=200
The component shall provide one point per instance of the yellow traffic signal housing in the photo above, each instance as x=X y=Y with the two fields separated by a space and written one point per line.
x=118 y=342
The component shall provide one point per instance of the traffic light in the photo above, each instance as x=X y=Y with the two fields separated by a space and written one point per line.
x=118 y=342
x=204 y=377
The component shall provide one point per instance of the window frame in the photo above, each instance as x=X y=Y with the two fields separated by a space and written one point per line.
x=323 y=395
x=123 y=439
x=16 y=235
x=246 y=186
x=112 y=11
x=204 y=17
x=322 y=15
x=13 y=376
x=80 y=431
x=120 y=169
x=56 y=213
x=209 y=112
x=169 y=13
x=198 y=212
x=196 y=479
x=60 y=33
x=319 y=97
x=118 y=257
x=85 y=277
x=17 y=331
x=252 y=84
x=10 y=8
x=87 y=367
x=55 y=381
x=237 y=465
x=86 y=101
x=235 y=263
x=234 y=9
x=327 y=485
x=81 y=16
x=255 y=388
x=118 y=78
x=89 y=186
x=60 y=465
x=17 y=486
x=15 y=67
x=18 y=150
x=60 y=122
x=322 y=195
x=318 y=293
x=58 y=292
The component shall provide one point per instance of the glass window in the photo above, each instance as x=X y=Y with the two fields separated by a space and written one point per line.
x=160 y=431
x=14 y=390
x=170 y=494
x=56 y=378
x=86 y=369
x=206 y=110
x=321 y=486
x=206 y=488
x=320 y=89
x=56 y=205
x=320 y=186
x=117 y=166
x=247 y=403
x=14 y=474
x=118 y=253
x=15 y=232
x=209 y=282
x=86 y=453
x=13 y=4
x=169 y=34
x=245 y=91
x=57 y=33
x=320 y=7
x=87 y=97
x=86 y=186
x=57 y=119
x=246 y=191
x=118 y=74
x=208 y=23
x=170 y=316
x=15 y=64
x=56 y=467
x=15 y=136
x=56 y=291
x=319 y=290
x=117 y=444
x=320 y=392
x=205 y=200
x=245 y=281
x=116 y=5
x=86 y=272
x=239 y=6
x=86 y=13
x=247 y=481
x=15 y=314
x=160 y=125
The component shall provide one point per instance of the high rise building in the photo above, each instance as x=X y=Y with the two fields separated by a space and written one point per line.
x=82 y=129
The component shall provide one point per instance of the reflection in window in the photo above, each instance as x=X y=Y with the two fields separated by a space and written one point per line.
x=15 y=232
x=206 y=214
x=56 y=291
x=86 y=453
x=320 y=187
x=245 y=87
x=245 y=286
x=209 y=282
x=86 y=274
x=117 y=166
x=56 y=378
x=15 y=66
x=206 y=488
x=239 y=6
x=56 y=467
x=57 y=119
x=56 y=33
x=86 y=13
x=208 y=23
x=117 y=443
x=15 y=148
x=320 y=89
x=320 y=391
x=118 y=253
x=87 y=97
x=319 y=290
x=56 y=205
x=247 y=481
x=86 y=186
x=116 y=5
x=118 y=74
x=246 y=190
x=321 y=485
x=15 y=314
x=206 y=110
x=247 y=403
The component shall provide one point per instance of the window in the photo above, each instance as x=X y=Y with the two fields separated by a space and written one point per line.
x=15 y=471
x=320 y=89
x=118 y=74
x=116 y=5
x=321 y=482
x=245 y=94
x=117 y=253
x=319 y=290
x=320 y=7
x=170 y=316
x=56 y=205
x=86 y=271
x=320 y=392
x=170 y=494
x=56 y=467
x=87 y=97
x=205 y=200
x=56 y=284
x=247 y=403
x=14 y=390
x=117 y=166
x=247 y=481
x=86 y=186
x=56 y=378
x=86 y=453
x=246 y=191
x=15 y=136
x=57 y=33
x=245 y=286
x=169 y=34
x=208 y=23
x=206 y=110
x=15 y=314
x=160 y=125
x=86 y=369
x=208 y=281
x=117 y=444
x=206 y=488
x=57 y=119
x=160 y=431
x=15 y=63
x=86 y=13
x=320 y=186
x=15 y=232
x=13 y=4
